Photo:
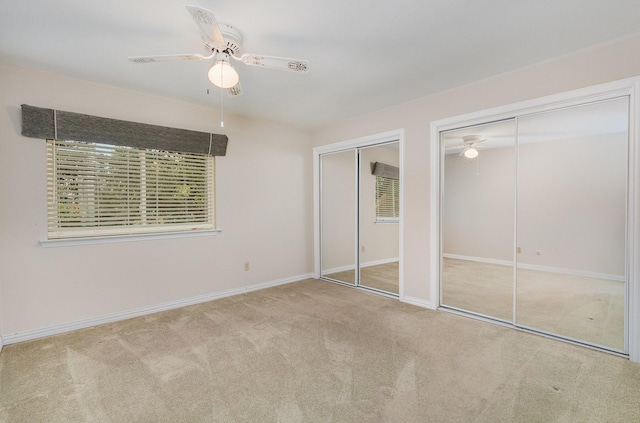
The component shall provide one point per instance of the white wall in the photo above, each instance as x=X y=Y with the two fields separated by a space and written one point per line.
x=264 y=207
x=612 y=61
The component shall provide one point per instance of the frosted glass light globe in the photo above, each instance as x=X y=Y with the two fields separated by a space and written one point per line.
x=471 y=153
x=223 y=75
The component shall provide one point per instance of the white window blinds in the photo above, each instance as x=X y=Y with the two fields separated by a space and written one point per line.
x=387 y=199
x=98 y=189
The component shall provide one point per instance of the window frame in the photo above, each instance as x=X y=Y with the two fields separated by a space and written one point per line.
x=101 y=234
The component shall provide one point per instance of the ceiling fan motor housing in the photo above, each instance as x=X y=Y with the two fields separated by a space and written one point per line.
x=232 y=36
x=472 y=139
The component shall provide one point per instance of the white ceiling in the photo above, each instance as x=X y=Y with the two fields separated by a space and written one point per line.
x=365 y=54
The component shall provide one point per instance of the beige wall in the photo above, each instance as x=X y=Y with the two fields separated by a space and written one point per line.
x=571 y=204
x=477 y=206
x=264 y=207
x=616 y=60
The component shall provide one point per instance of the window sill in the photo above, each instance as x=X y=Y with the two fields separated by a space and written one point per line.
x=68 y=242
x=386 y=221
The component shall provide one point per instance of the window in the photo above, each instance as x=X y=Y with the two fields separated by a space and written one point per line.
x=387 y=199
x=99 y=190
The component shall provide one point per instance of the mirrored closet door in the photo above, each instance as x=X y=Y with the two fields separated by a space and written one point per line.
x=478 y=219
x=379 y=217
x=534 y=222
x=338 y=216
x=359 y=217
x=572 y=192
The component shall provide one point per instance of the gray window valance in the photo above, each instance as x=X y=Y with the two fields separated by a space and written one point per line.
x=38 y=122
x=385 y=170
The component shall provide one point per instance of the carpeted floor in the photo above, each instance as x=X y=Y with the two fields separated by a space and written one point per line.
x=311 y=351
x=581 y=308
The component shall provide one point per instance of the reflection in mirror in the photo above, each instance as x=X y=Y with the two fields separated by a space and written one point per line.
x=478 y=219
x=572 y=175
x=338 y=216
x=379 y=217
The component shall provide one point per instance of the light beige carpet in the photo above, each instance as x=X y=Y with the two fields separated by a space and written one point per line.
x=581 y=308
x=311 y=351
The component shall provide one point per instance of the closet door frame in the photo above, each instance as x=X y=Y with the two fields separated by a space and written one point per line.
x=357 y=143
x=627 y=87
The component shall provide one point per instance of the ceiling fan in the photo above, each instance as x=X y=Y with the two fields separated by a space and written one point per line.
x=223 y=42
x=469 y=146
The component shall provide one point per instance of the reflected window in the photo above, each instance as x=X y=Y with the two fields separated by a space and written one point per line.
x=387 y=199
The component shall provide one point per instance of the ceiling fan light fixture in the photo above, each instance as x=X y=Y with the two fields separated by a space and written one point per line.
x=471 y=153
x=223 y=75
x=224 y=42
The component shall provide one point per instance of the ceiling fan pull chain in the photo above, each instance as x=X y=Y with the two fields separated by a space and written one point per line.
x=221 y=107
x=478 y=165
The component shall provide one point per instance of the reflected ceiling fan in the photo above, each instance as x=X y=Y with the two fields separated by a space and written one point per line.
x=469 y=146
x=223 y=42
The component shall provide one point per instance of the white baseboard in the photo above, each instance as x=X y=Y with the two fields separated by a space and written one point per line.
x=417 y=302
x=479 y=259
x=82 y=324
x=364 y=264
x=381 y=261
x=338 y=269
x=571 y=272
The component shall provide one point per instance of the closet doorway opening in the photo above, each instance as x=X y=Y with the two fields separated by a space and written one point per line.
x=358 y=193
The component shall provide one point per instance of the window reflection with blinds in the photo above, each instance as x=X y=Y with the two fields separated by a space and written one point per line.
x=100 y=190
x=387 y=199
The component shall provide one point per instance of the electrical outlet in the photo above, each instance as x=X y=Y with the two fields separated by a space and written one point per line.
x=246 y=266
x=363 y=248
x=518 y=249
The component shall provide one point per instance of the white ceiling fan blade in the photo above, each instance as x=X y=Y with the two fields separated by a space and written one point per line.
x=169 y=58
x=281 y=63
x=208 y=26
x=455 y=147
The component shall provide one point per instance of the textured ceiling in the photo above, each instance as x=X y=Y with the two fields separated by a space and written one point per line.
x=364 y=55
